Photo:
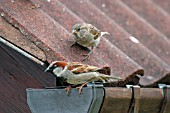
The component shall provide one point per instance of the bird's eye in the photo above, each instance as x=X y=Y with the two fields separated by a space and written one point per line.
x=78 y=29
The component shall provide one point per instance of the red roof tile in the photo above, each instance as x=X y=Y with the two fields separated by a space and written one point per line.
x=122 y=40
x=61 y=16
x=55 y=19
x=13 y=35
x=137 y=26
x=123 y=66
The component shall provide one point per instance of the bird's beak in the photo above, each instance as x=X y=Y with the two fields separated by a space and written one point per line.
x=74 y=31
x=47 y=69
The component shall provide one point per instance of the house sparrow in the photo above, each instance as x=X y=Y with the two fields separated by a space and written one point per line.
x=77 y=73
x=87 y=35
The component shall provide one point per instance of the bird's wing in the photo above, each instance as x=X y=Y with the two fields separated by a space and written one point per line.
x=77 y=68
x=93 y=30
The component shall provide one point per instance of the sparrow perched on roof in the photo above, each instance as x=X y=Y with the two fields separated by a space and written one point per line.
x=87 y=35
x=77 y=73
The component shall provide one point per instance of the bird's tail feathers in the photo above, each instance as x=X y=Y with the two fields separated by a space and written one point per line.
x=104 y=33
x=108 y=78
x=104 y=70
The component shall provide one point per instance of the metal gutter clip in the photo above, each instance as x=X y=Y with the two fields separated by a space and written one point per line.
x=165 y=106
x=134 y=105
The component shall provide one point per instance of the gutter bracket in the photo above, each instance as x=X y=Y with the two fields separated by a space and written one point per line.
x=166 y=100
x=134 y=105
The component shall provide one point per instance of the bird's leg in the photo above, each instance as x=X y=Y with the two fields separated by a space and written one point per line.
x=56 y=81
x=88 y=55
x=81 y=87
x=34 y=5
x=73 y=44
x=102 y=79
x=68 y=89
